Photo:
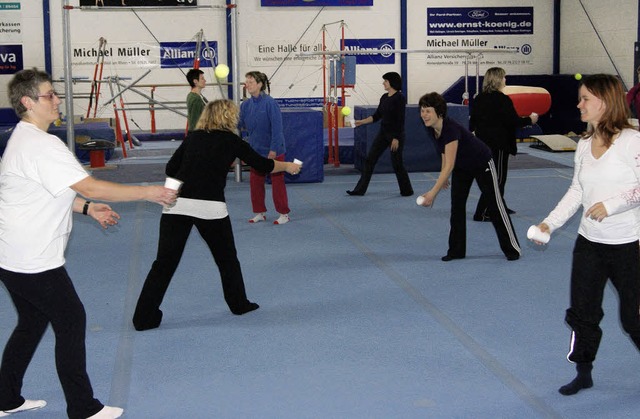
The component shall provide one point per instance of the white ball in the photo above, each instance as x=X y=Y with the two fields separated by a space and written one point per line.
x=420 y=200
x=221 y=71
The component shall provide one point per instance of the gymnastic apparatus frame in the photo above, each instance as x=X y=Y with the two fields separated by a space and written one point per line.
x=68 y=77
x=331 y=105
x=334 y=56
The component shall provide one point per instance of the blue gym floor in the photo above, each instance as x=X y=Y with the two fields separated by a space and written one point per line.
x=359 y=318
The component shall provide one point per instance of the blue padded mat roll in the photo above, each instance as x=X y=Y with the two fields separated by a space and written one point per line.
x=303 y=139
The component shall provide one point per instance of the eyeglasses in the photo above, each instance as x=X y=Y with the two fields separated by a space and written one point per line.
x=50 y=95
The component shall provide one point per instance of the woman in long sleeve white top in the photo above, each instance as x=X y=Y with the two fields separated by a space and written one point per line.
x=605 y=184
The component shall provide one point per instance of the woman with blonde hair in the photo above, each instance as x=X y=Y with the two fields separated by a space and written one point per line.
x=202 y=163
x=606 y=185
x=494 y=120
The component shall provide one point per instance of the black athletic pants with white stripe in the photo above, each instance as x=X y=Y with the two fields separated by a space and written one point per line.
x=487 y=179
x=594 y=264
x=501 y=160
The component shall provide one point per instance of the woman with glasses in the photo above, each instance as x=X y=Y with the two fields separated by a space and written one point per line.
x=40 y=179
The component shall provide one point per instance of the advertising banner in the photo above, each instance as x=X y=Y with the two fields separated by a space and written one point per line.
x=138 y=3
x=297 y=3
x=11 y=60
x=10 y=23
x=465 y=21
x=182 y=54
x=373 y=44
x=272 y=53
x=506 y=31
x=140 y=55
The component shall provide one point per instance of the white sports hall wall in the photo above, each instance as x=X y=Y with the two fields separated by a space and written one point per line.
x=266 y=34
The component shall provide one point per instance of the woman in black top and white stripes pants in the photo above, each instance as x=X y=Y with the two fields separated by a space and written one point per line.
x=495 y=120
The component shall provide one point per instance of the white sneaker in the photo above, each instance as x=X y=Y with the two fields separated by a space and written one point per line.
x=283 y=219
x=108 y=412
x=258 y=217
x=27 y=405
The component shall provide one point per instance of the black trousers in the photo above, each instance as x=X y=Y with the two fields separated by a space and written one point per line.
x=594 y=264
x=174 y=231
x=379 y=145
x=41 y=299
x=487 y=179
x=501 y=160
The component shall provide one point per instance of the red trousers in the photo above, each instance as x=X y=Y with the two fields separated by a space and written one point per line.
x=278 y=189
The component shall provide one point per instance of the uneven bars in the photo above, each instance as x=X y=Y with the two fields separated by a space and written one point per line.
x=133 y=83
x=155 y=102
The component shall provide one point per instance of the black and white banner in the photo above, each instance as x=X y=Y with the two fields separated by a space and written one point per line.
x=138 y=3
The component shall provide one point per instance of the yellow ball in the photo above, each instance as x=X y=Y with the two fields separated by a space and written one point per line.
x=346 y=111
x=578 y=76
x=221 y=71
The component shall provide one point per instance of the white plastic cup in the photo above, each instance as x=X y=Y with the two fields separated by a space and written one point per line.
x=296 y=161
x=172 y=183
x=535 y=234
x=420 y=200
x=175 y=184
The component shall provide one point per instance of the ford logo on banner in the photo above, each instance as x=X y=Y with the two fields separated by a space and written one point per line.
x=478 y=14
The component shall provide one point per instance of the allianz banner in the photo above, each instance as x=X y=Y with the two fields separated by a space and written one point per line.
x=137 y=3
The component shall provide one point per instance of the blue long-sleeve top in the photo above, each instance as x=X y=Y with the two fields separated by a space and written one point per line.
x=261 y=119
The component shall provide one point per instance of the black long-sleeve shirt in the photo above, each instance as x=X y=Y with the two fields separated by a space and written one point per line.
x=203 y=160
x=494 y=120
x=391 y=110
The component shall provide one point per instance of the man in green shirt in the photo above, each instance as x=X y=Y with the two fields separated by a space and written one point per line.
x=195 y=100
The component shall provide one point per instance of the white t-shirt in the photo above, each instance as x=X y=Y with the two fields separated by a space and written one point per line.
x=35 y=200
x=614 y=180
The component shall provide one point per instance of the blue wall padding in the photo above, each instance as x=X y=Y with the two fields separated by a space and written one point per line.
x=303 y=139
x=420 y=154
x=8 y=117
x=345 y=145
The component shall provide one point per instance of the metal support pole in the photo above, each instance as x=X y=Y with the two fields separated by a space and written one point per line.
x=68 y=84
x=236 y=75
x=477 y=74
x=465 y=95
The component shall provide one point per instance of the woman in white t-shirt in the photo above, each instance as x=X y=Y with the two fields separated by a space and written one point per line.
x=39 y=180
x=605 y=184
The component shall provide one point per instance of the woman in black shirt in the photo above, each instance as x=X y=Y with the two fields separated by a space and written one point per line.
x=202 y=163
x=391 y=111
x=495 y=120
x=465 y=158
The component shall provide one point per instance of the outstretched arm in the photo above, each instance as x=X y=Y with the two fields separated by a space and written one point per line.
x=448 y=163
x=100 y=212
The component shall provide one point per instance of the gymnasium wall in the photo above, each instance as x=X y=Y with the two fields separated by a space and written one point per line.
x=267 y=35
